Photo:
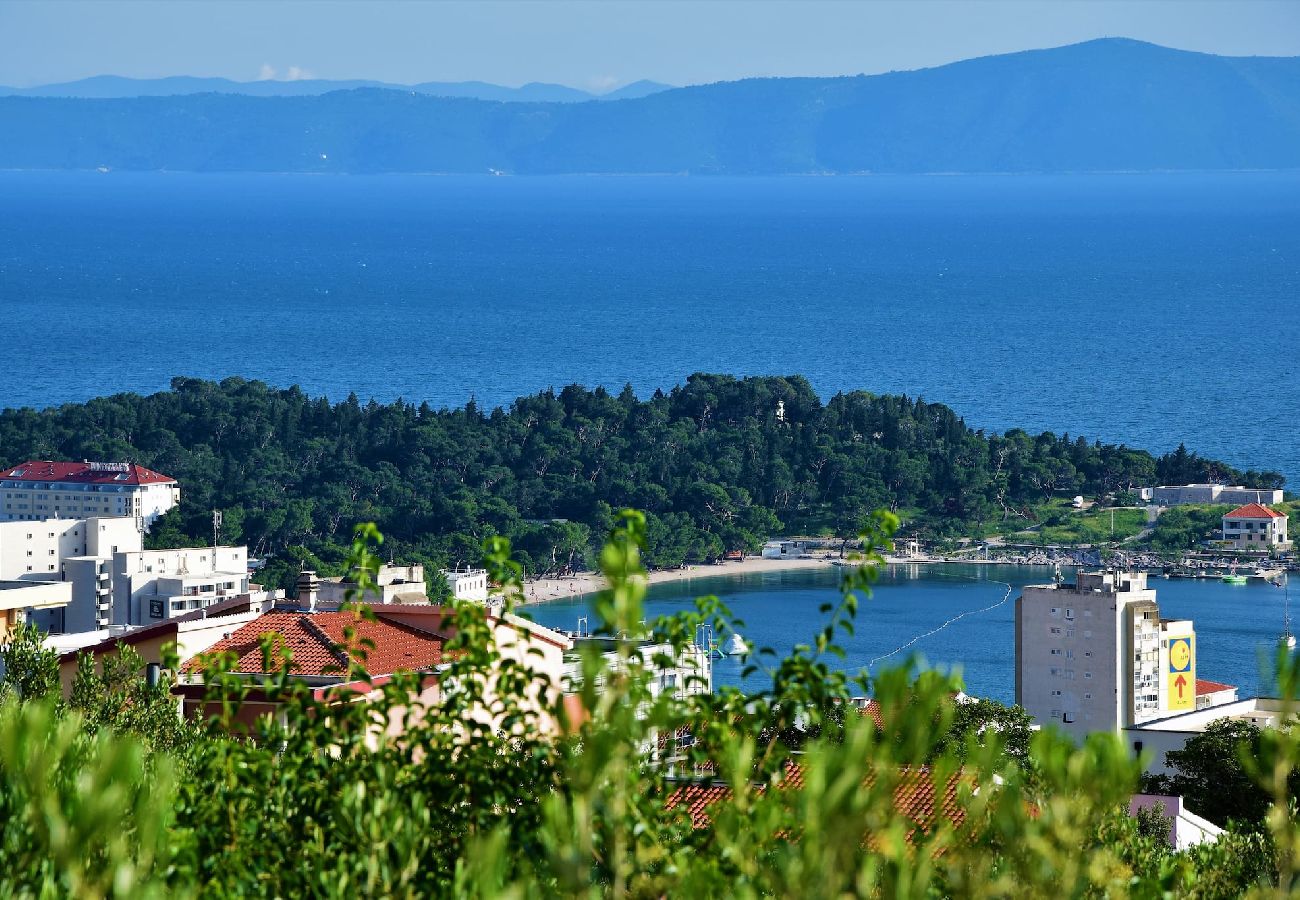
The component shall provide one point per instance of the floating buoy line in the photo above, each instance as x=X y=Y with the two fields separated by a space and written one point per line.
x=970 y=612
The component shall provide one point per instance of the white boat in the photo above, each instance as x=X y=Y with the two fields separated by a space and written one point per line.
x=736 y=646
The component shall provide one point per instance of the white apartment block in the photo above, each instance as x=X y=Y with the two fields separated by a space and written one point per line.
x=150 y=586
x=78 y=551
x=43 y=489
x=1178 y=495
x=1256 y=527
x=1096 y=656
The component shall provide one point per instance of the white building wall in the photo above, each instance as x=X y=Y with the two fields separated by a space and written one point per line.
x=1073 y=649
x=152 y=585
x=471 y=585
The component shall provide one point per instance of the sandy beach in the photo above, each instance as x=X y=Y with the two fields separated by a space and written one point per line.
x=545 y=589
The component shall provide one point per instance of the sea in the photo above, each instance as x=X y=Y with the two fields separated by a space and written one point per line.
x=952 y=617
x=1144 y=309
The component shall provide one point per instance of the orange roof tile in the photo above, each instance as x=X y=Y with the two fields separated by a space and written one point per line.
x=317 y=643
x=1212 y=687
x=914 y=797
x=1254 y=511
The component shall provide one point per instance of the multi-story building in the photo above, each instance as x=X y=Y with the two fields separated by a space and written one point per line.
x=1096 y=656
x=152 y=585
x=1256 y=527
x=78 y=551
x=1179 y=495
x=43 y=489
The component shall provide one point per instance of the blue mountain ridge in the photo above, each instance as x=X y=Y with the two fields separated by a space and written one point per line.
x=1104 y=105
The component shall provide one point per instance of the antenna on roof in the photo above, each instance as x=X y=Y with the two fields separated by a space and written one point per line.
x=216 y=530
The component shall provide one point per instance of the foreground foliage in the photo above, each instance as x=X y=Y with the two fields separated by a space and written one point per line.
x=479 y=799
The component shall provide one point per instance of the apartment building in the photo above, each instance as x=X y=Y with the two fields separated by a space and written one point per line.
x=44 y=489
x=153 y=585
x=1096 y=656
x=76 y=551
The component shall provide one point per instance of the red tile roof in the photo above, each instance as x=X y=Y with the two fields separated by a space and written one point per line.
x=914 y=797
x=1254 y=511
x=1212 y=687
x=318 y=646
x=84 y=473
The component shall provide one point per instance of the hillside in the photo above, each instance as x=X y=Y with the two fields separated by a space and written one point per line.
x=1100 y=106
x=710 y=463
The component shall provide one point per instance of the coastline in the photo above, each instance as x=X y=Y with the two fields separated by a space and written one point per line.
x=545 y=590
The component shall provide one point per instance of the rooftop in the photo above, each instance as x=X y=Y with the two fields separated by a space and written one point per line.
x=318 y=645
x=915 y=797
x=85 y=472
x=1212 y=687
x=1254 y=511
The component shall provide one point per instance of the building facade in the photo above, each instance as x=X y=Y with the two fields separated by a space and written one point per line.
x=1096 y=656
x=393 y=584
x=152 y=585
x=76 y=551
x=468 y=584
x=1256 y=527
x=1179 y=495
x=44 y=489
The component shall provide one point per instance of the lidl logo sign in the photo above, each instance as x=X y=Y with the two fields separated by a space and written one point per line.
x=1180 y=684
x=1180 y=654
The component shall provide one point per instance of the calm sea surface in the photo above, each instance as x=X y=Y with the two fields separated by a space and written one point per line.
x=1140 y=309
x=1236 y=625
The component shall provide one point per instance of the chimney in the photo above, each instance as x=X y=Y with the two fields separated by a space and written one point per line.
x=308 y=586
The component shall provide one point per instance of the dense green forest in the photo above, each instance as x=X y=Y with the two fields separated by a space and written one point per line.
x=718 y=464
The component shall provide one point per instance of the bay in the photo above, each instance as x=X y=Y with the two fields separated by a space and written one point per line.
x=1142 y=309
x=1236 y=625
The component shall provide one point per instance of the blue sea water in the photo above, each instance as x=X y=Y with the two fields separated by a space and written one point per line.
x=1236 y=625
x=1143 y=309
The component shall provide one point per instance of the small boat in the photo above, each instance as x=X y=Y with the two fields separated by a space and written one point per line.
x=736 y=646
x=1234 y=579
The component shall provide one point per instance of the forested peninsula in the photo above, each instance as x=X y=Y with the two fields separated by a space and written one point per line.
x=719 y=463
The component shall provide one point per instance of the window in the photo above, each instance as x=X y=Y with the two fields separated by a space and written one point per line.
x=1087 y=674
x=1056 y=651
x=1087 y=696
x=1054 y=630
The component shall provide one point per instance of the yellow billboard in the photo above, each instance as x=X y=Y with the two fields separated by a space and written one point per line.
x=1181 y=685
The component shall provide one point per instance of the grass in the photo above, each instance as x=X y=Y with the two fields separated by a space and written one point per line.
x=1086 y=527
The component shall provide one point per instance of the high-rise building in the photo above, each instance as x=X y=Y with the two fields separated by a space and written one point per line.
x=42 y=489
x=1096 y=656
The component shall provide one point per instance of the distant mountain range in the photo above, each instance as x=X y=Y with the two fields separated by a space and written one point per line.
x=105 y=87
x=1106 y=105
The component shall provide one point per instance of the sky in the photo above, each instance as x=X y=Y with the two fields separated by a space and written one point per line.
x=592 y=45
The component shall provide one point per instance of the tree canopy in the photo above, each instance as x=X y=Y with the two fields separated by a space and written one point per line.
x=711 y=462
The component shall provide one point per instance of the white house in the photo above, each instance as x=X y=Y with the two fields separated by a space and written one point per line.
x=1256 y=527
x=467 y=584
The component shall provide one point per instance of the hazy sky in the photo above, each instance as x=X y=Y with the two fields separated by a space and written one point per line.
x=592 y=45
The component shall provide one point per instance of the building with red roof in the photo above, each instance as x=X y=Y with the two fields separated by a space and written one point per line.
x=319 y=647
x=1256 y=527
x=46 y=489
